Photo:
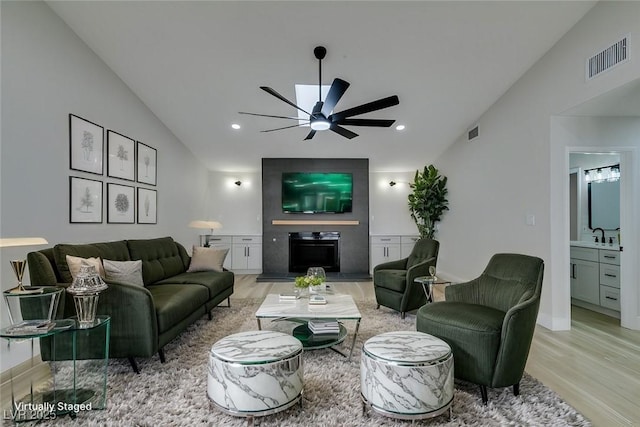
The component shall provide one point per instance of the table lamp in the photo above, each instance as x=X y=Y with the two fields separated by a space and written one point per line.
x=212 y=225
x=19 y=266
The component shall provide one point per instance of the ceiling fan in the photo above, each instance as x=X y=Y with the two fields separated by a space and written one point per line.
x=321 y=118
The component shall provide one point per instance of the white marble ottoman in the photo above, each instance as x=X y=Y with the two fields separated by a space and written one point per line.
x=407 y=375
x=255 y=373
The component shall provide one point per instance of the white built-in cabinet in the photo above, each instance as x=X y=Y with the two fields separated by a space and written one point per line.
x=246 y=256
x=595 y=277
x=245 y=252
x=390 y=248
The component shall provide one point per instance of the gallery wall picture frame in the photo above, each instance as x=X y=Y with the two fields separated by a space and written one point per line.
x=121 y=152
x=120 y=204
x=85 y=200
x=147 y=206
x=147 y=160
x=86 y=145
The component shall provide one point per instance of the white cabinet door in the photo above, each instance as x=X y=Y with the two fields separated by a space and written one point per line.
x=585 y=281
x=406 y=245
x=254 y=258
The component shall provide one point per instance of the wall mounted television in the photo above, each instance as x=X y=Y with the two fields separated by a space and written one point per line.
x=317 y=192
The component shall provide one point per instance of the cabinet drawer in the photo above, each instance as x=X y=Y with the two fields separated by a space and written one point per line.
x=610 y=275
x=610 y=297
x=610 y=257
x=219 y=240
x=584 y=253
x=382 y=240
x=247 y=239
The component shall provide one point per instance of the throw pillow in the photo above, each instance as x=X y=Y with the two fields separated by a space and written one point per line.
x=124 y=271
x=207 y=259
x=75 y=263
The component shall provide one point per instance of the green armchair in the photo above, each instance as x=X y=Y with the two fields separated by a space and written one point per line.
x=489 y=321
x=393 y=281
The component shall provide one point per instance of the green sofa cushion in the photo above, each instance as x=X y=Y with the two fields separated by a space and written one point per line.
x=473 y=334
x=161 y=258
x=395 y=280
x=215 y=282
x=175 y=303
x=116 y=251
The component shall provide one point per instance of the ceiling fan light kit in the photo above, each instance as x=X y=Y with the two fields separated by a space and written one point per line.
x=321 y=119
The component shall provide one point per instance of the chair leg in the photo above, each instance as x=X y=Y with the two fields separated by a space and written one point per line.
x=134 y=365
x=402 y=314
x=516 y=389
x=483 y=392
x=210 y=315
x=377 y=306
x=161 y=354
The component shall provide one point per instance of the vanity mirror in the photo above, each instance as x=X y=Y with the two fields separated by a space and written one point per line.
x=604 y=204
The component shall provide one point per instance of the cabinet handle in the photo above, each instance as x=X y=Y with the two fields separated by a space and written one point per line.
x=248 y=251
x=609 y=257
x=610 y=275
x=611 y=298
x=573 y=271
x=247 y=240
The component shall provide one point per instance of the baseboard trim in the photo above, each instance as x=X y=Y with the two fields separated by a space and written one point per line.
x=32 y=371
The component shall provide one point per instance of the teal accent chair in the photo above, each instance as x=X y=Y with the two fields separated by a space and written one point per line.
x=393 y=280
x=489 y=321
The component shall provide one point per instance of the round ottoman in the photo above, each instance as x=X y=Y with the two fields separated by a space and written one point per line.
x=255 y=373
x=407 y=375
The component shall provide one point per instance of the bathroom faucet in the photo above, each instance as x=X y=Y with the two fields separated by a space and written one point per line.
x=602 y=230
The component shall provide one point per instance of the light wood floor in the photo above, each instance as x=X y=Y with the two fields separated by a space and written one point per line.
x=595 y=367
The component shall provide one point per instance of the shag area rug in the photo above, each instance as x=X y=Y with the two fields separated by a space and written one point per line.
x=174 y=393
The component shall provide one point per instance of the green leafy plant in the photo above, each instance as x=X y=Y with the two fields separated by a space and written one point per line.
x=428 y=200
x=306 y=281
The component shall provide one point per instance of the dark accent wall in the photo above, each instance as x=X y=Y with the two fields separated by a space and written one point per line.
x=354 y=239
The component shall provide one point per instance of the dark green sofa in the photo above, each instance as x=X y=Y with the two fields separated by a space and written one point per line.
x=143 y=319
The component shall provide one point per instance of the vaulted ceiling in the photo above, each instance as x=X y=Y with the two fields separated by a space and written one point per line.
x=197 y=64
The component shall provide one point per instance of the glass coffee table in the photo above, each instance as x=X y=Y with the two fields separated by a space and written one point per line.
x=293 y=317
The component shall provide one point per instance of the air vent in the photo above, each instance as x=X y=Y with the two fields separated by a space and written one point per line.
x=473 y=133
x=608 y=58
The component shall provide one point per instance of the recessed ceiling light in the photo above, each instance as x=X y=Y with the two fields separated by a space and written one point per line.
x=235 y=126
x=400 y=127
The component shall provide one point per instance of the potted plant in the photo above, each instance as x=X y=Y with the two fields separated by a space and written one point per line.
x=428 y=200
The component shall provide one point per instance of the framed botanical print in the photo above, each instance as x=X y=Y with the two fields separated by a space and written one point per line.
x=120 y=204
x=85 y=200
x=120 y=156
x=147 y=164
x=86 y=145
x=147 y=206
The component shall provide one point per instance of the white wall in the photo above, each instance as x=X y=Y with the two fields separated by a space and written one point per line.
x=500 y=178
x=47 y=73
x=388 y=206
x=238 y=208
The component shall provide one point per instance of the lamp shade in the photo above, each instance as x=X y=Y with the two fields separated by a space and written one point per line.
x=22 y=241
x=212 y=225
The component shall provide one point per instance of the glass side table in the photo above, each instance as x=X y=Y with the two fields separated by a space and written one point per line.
x=427 y=283
x=78 y=357
x=39 y=401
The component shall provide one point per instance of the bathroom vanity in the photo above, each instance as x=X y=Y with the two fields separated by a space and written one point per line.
x=595 y=277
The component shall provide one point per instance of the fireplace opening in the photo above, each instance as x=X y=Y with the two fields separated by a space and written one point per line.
x=314 y=249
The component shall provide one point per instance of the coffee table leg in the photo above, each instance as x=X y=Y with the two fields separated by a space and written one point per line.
x=259 y=324
x=353 y=343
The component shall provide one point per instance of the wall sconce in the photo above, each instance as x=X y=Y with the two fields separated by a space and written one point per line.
x=392 y=183
x=238 y=183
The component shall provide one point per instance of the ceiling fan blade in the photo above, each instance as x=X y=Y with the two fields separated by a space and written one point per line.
x=366 y=108
x=269 y=115
x=366 y=122
x=342 y=131
x=282 y=98
x=310 y=135
x=337 y=89
x=286 y=127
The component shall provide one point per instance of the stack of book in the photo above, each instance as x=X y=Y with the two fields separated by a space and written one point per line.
x=30 y=327
x=317 y=300
x=288 y=296
x=324 y=326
